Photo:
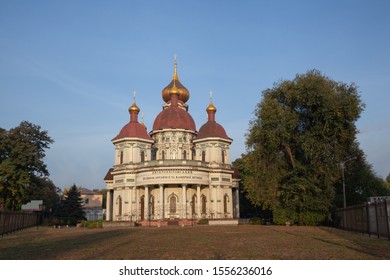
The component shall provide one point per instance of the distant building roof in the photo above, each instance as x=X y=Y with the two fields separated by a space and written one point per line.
x=87 y=191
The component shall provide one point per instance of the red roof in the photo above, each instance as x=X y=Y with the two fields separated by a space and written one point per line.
x=109 y=176
x=133 y=130
x=174 y=117
x=212 y=129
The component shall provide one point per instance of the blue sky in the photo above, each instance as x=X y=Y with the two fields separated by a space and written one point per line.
x=71 y=67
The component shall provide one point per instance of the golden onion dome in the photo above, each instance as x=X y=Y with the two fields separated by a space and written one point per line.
x=175 y=87
x=211 y=107
x=134 y=107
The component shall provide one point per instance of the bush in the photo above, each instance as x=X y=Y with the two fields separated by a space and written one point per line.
x=282 y=216
x=255 y=221
x=203 y=222
x=92 y=224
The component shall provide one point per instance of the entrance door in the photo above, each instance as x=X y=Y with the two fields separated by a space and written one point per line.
x=172 y=205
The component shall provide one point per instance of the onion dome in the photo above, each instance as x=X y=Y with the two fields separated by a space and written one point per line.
x=176 y=85
x=173 y=116
x=134 y=108
x=211 y=128
x=133 y=129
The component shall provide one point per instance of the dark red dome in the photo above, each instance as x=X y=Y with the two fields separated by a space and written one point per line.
x=212 y=129
x=174 y=117
x=133 y=130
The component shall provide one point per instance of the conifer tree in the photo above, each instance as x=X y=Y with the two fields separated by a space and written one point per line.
x=72 y=206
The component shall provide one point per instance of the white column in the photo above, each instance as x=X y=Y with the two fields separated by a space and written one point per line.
x=108 y=206
x=161 y=201
x=198 y=209
x=184 y=190
x=146 y=203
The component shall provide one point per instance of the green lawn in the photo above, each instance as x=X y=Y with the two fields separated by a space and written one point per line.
x=196 y=243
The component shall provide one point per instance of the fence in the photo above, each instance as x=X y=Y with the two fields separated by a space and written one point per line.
x=14 y=221
x=369 y=218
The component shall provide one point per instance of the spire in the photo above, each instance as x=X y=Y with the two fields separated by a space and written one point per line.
x=175 y=86
x=142 y=120
x=175 y=76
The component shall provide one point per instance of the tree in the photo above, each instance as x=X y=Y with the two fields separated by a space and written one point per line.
x=22 y=157
x=302 y=130
x=72 y=206
x=42 y=188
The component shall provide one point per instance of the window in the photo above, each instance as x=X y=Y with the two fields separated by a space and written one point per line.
x=163 y=155
x=121 y=157
x=223 y=156
x=193 y=203
x=203 y=156
x=225 y=203
x=172 y=205
x=142 y=156
x=119 y=203
x=86 y=201
x=204 y=201
x=185 y=155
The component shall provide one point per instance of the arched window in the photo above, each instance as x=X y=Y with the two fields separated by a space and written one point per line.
x=151 y=209
x=184 y=154
x=121 y=157
x=154 y=152
x=119 y=203
x=223 y=156
x=163 y=155
x=172 y=204
x=142 y=156
x=203 y=156
x=225 y=204
x=204 y=202
x=193 y=203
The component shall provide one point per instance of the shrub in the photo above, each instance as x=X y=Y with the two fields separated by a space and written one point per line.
x=255 y=221
x=203 y=222
x=308 y=218
x=92 y=224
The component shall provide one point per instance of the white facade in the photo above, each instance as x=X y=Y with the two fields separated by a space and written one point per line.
x=171 y=173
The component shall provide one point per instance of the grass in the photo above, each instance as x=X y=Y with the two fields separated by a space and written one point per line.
x=192 y=243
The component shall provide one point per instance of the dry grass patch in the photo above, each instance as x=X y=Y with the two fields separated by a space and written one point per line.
x=196 y=243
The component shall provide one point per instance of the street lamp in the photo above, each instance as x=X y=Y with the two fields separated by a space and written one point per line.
x=342 y=165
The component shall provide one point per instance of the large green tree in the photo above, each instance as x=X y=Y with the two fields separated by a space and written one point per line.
x=22 y=153
x=42 y=188
x=301 y=131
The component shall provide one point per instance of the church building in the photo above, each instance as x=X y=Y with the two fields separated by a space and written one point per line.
x=175 y=173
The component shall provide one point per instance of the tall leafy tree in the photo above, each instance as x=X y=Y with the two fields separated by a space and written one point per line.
x=42 y=188
x=301 y=131
x=72 y=206
x=22 y=153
